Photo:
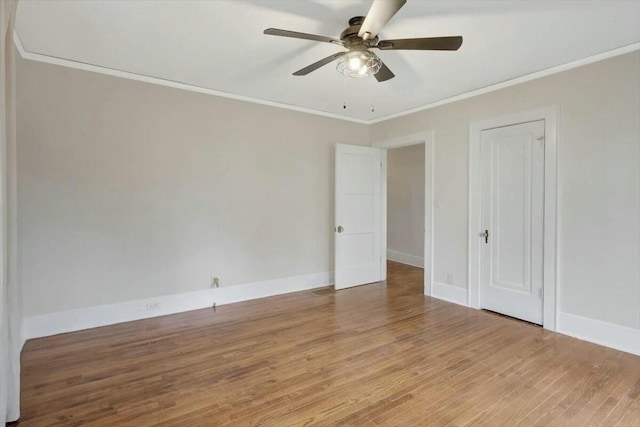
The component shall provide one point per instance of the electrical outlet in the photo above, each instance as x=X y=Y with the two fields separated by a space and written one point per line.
x=153 y=306
x=450 y=280
x=215 y=282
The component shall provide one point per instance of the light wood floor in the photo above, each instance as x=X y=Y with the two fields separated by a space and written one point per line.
x=380 y=354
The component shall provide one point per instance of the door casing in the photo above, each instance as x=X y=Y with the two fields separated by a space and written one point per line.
x=550 y=115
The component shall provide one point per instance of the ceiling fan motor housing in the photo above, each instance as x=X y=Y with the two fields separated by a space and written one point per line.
x=351 y=38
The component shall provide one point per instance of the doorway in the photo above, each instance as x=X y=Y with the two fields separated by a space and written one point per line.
x=405 y=205
x=423 y=143
x=360 y=228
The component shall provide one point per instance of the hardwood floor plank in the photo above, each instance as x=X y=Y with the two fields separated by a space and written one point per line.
x=485 y=397
x=626 y=408
x=380 y=354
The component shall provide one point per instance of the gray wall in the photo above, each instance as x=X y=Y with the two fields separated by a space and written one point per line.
x=405 y=200
x=599 y=181
x=129 y=190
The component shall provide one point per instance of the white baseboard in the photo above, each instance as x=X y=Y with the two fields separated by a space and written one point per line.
x=450 y=293
x=103 y=315
x=416 y=261
x=599 y=332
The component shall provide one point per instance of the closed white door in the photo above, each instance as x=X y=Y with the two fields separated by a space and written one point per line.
x=358 y=226
x=512 y=220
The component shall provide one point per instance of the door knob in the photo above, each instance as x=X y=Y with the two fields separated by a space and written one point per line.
x=485 y=234
x=340 y=229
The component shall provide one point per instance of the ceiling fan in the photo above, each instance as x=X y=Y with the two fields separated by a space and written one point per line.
x=361 y=36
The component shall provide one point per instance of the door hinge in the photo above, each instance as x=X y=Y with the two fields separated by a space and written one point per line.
x=541 y=293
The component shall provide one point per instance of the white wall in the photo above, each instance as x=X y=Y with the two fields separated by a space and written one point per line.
x=405 y=203
x=129 y=190
x=599 y=182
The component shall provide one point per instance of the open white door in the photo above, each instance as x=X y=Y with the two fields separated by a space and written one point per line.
x=512 y=219
x=358 y=222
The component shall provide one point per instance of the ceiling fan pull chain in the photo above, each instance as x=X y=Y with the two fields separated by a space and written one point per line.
x=373 y=102
x=344 y=92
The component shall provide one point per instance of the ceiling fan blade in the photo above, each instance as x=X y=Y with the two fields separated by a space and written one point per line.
x=306 y=70
x=425 y=43
x=380 y=13
x=305 y=36
x=384 y=74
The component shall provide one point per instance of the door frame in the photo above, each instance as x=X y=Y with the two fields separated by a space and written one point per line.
x=550 y=116
x=428 y=139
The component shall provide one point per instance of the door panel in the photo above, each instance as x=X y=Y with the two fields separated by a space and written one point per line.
x=510 y=207
x=512 y=213
x=358 y=212
x=358 y=226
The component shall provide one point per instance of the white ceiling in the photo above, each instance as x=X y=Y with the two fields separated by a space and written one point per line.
x=219 y=45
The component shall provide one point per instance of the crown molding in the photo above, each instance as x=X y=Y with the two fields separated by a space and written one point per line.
x=164 y=82
x=512 y=82
x=193 y=88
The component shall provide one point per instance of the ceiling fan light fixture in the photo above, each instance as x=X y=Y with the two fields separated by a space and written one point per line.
x=359 y=63
x=355 y=63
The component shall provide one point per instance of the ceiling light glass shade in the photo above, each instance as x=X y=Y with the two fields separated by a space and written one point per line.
x=359 y=63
